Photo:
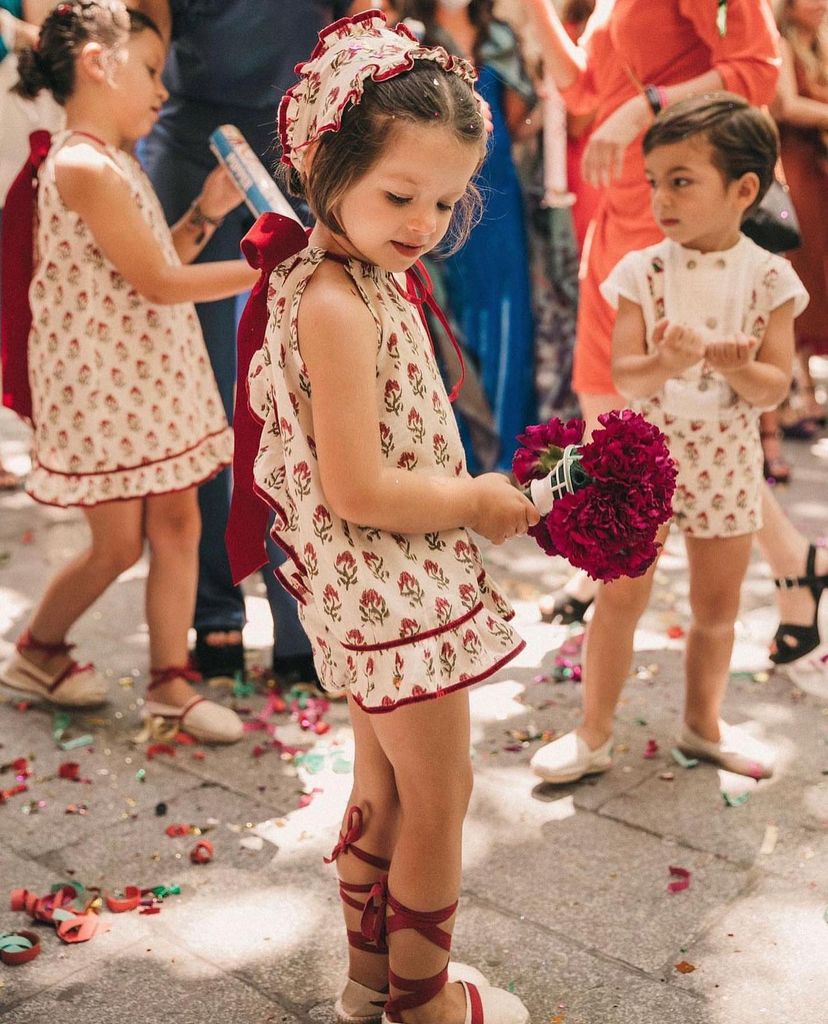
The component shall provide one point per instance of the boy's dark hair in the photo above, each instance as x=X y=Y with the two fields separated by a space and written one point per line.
x=425 y=95
x=742 y=137
x=64 y=33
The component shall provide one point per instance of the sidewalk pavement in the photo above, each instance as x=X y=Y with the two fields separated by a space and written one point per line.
x=565 y=893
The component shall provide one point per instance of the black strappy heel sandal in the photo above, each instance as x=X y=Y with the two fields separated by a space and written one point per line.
x=565 y=610
x=792 y=641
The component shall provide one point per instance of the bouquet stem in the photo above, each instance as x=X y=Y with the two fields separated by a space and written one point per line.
x=567 y=477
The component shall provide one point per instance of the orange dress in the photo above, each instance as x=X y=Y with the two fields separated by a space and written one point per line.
x=805 y=160
x=663 y=42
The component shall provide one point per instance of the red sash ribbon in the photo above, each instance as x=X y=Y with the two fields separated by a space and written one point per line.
x=18 y=266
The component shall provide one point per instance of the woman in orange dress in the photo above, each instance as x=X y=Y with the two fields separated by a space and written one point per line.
x=801 y=110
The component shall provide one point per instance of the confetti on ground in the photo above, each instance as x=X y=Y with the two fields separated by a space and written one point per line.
x=682 y=760
x=769 y=840
x=650 y=750
x=683 y=967
x=666 y=776
x=60 y=726
x=735 y=799
x=675 y=632
x=681 y=878
x=202 y=852
x=154 y=749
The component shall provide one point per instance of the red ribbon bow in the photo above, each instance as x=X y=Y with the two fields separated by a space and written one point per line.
x=18 y=264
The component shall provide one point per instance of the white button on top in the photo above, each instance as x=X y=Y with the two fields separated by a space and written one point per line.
x=711 y=322
x=720 y=263
x=691 y=264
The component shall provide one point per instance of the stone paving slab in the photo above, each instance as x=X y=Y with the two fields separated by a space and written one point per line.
x=150 y=982
x=766 y=957
x=613 y=889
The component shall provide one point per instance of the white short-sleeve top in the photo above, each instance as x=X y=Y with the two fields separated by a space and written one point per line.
x=720 y=294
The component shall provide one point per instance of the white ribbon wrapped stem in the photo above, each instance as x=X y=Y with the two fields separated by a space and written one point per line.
x=556 y=484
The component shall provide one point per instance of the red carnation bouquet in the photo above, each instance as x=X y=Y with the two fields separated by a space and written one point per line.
x=602 y=502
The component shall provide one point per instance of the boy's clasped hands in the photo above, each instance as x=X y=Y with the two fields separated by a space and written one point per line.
x=680 y=347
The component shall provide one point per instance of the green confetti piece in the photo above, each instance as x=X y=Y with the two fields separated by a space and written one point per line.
x=342 y=766
x=680 y=759
x=141 y=774
x=60 y=723
x=735 y=801
x=721 y=18
x=240 y=687
x=510 y=987
x=640 y=721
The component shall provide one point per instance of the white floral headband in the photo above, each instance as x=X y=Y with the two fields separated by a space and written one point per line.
x=349 y=52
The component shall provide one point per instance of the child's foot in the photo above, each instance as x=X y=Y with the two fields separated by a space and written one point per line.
x=48 y=672
x=465 y=1002
x=171 y=698
x=360 y=1004
x=734 y=751
x=571 y=757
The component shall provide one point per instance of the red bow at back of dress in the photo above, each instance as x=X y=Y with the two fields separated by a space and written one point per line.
x=18 y=264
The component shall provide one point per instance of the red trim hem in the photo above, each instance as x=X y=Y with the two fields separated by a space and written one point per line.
x=382 y=708
x=139 y=465
x=135 y=497
x=426 y=635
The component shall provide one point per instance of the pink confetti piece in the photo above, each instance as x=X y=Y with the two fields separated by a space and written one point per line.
x=681 y=878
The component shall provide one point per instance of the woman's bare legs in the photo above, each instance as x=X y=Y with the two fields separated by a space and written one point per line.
x=173 y=526
x=608 y=650
x=375 y=793
x=785 y=550
x=116 y=544
x=717 y=568
x=427 y=744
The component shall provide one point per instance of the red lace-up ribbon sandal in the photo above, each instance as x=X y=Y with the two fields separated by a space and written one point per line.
x=203 y=719
x=71 y=685
x=484 y=1003
x=359 y=1004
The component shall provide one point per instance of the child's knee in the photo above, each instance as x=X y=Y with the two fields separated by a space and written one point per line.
x=439 y=791
x=113 y=559
x=178 y=528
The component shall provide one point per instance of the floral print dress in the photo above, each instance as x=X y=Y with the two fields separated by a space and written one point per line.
x=712 y=432
x=394 y=618
x=124 y=400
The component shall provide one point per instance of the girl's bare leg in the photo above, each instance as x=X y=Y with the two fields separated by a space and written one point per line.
x=375 y=793
x=608 y=650
x=427 y=744
x=173 y=526
x=116 y=544
x=717 y=568
x=785 y=550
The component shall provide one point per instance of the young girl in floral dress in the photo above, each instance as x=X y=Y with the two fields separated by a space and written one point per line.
x=358 y=453
x=703 y=341
x=127 y=418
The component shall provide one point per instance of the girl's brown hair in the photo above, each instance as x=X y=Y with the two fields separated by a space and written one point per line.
x=425 y=95
x=742 y=138
x=64 y=33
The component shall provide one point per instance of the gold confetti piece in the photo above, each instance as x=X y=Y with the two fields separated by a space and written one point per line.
x=683 y=967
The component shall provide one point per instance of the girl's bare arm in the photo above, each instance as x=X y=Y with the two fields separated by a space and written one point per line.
x=90 y=185
x=339 y=340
